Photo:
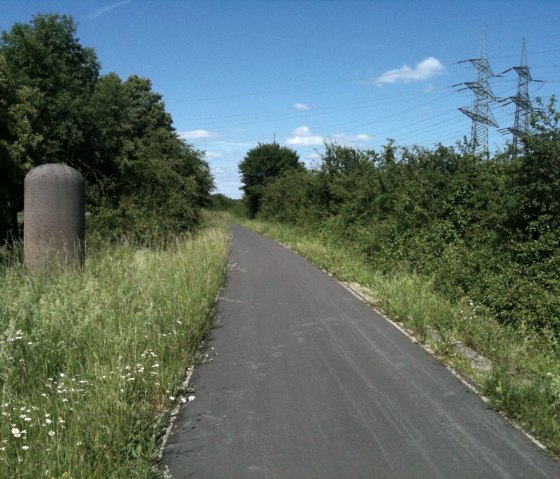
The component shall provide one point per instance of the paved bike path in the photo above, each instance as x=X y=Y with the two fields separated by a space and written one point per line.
x=306 y=381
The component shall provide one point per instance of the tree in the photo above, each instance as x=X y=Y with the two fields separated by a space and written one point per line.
x=539 y=178
x=55 y=107
x=45 y=55
x=262 y=164
x=149 y=178
x=45 y=80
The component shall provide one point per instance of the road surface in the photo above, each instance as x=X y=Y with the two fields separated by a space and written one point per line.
x=307 y=381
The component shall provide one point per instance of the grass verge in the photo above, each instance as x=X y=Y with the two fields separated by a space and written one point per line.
x=524 y=382
x=91 y=361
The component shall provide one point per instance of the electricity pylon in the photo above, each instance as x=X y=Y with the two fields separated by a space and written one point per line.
x=522 y=101
x=480 y=113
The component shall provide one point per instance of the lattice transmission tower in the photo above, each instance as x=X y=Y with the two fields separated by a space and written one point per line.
x=480 y=113
x=522 y=101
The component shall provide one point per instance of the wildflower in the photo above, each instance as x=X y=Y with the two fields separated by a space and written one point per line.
x=16 y=432
x=172 y=398
x=24 y=447
x=51 y=433
x=191 y=398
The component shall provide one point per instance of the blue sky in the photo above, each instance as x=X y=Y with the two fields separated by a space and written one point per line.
x=235 y=73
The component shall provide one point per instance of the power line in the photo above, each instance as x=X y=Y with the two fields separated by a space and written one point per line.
x=480 y=113
x=522 y=101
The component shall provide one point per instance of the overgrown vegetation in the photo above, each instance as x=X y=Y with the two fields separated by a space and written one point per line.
x=262 y=165
x=89 y=361
x=524 y=382
x=446 y=241
x=485 y=230
x=56 y=107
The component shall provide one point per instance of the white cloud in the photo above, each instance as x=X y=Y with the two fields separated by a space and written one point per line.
x=301 y=106
x=302 y=130
x=223 y=157
x=302 y=136
x=195 y=134
x=103 y=10
x=305 y=141
x=213 y=155
x=426 y=69
x=361 y=137
x=349 y=139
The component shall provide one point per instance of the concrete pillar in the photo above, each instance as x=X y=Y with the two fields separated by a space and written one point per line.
x=54 y=217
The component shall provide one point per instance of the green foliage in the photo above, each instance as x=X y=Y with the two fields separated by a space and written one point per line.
x=261 y=165
x=524 y=381
x=293 y=190
x=46 y=58
x=485 y=230
x=55 y=107
x=220 y=202
x=90 y=362
x=538 y=181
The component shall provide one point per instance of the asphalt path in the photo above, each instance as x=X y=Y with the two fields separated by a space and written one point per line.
x=307 y=381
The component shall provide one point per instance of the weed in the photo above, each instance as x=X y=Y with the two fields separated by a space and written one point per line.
x=524 y=382
x=90 y=360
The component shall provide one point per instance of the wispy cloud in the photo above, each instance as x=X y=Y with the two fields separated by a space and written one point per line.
x=302 y=136
x=426 y=69
x=223 y=157
x=301 y=106
x=346 y=139
x=359 y=138
x=429 y=88
x=213 y=155
x=195 y=134
x=103 y=10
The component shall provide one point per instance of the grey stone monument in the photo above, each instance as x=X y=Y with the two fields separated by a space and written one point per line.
x=54 y=218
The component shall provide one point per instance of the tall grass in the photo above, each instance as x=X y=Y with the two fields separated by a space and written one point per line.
x=525 y=379
x=90 y=361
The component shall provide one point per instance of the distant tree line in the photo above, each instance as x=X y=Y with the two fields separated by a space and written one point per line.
x=487 y=230
x=56 y=107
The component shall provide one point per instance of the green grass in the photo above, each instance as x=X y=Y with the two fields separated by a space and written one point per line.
x=91 y=361
x=525 y=380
